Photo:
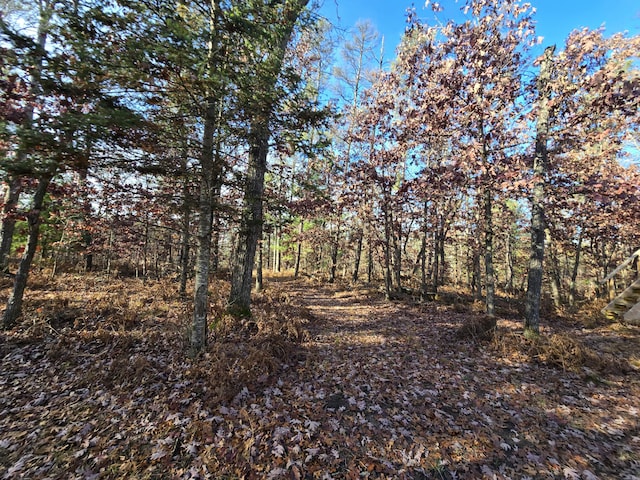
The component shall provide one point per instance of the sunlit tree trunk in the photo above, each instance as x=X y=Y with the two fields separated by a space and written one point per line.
x=574 y=271
x=534 y=284
x=488 y=251
x=205 y=223
x=296 y=271
x=251 y=219
x=12 y=195
x=34 y=220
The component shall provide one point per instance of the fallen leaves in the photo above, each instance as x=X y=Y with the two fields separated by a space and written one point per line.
x=376 y=390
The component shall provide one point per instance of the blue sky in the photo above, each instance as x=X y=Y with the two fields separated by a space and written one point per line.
x=555 y=18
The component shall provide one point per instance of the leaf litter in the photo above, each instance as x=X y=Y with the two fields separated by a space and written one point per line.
x=320 y=383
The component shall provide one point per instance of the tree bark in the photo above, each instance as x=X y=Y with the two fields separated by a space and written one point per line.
x=370 y=257
x=335 y=250
x=387 y=251
x=508 y=282
x=423 y=253
x=11 y=198
x=574 y=271
x=215 y=242
x=397 y=257
x=34 y=220
x=296 y=271
x=554 y=271
x=199 y=329
x=435 y=263
x=490 y=280
x=358 y=254
x=538 y=224
x=250 y=230
x=259 y=279
x=239 y=303
x=476 y=278
x=277 y=234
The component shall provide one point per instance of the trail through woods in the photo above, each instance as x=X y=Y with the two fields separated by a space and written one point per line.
x=374 y=390
x=391 y=390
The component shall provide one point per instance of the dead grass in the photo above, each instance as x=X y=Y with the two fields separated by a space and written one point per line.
x=478 y=328
x=121 y=321
x=560 y=350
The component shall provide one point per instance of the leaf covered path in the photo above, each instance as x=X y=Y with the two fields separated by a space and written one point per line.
x=390 y=391
x=375 y=390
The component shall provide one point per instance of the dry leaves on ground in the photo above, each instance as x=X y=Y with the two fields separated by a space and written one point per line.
x=95 y=383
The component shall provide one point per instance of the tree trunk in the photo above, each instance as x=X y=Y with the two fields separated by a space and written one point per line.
x=554 y=271
x=145 y=247
x=397 y=257
x=423 y=253
x=574 y=271
x=387 y=252
x=109 y=250
x=201 y=287
x=508 y=282
x=277 y=233
x=296 y=270
x=476 y=278
x=335 y=250
x=14 y=181
x=184 y=246
x=205 y=224
x=442 y=270
x=215 y=232
x=358 y=254
x=488 y=252
x=534 y=283
x=369 y=258
x=436 y=263
x=250 y=231
x=11 y=198
x=34 y=219
x=259 y=280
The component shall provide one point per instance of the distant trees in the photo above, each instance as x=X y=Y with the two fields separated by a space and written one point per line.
x=152 y=138
x=454 y=146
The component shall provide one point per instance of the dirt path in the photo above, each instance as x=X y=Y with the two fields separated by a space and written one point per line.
x=388 y=391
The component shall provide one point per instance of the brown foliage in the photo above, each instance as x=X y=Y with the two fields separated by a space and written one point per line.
x=478 y=328
x=559 y=350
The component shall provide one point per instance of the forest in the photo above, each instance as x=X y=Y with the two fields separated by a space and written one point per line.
x=238 y=241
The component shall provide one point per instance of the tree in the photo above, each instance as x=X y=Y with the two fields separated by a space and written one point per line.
x=19 y=97
x=50 y=131
x=587 y=107
x=260 y=98
x=355 y=73
x=540 y=167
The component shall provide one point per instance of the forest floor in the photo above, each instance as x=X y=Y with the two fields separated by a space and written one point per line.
x=322 y=382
